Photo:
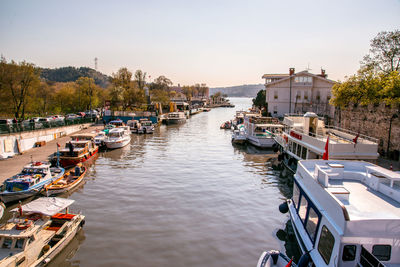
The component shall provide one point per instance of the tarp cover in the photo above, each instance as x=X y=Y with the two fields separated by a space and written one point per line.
x=46 y=205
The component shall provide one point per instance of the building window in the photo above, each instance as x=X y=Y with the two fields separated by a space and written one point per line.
x=303 y=79
x=349 y=253
x=298 y=95
x=275 y=94
x=318 y=96
x=382 y=252
x=275 y=109
x=305 y=95
x=325 y=244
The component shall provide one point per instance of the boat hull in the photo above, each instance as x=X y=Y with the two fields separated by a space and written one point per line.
x=273 y=258
x=72 y=161
x=175 y=121
x=261 y=142
x=115 y=145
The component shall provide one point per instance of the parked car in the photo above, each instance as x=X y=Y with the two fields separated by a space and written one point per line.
x=59 y=117
x=81 y=114
x=71 y=117
x=6 y=125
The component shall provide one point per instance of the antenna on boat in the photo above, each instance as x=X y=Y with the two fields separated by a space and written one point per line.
x=31 y=160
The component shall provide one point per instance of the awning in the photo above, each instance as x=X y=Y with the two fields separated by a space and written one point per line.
x=46 y=205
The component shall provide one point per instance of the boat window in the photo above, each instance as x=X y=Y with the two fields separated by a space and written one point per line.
x=349 y=252
x=325 y=245
x=382 y=252
x=312 y=223
x=19 y=243
x=304 y=153
x=31 y=239
x=299 y=148
x=296 y=195
x=7 y=243
x=303 y=208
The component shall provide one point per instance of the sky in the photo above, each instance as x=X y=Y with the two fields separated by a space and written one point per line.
x=220 y=43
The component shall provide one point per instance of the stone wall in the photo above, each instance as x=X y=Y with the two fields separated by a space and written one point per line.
x=374 y=121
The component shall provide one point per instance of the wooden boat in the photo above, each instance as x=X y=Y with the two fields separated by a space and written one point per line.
x=274 y=258
x=29 y=182
x=84 y=148
x=67 y=182
x=38 y=232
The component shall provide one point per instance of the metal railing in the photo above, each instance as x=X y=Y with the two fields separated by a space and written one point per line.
x=40 y=125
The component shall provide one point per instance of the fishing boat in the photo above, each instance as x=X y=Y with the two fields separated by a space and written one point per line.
x=29 y=182
x=118 y=137
x=274 y=258
x=37 y=232
x=146 y=126
x=69 y=181
x=261 y=130
x=81 y=148
x=306 y=137
x=175 y=118
x=346 y=213
x=239 y=136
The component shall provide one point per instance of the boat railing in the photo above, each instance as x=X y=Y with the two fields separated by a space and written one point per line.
x=361 y=136
x=367 y=259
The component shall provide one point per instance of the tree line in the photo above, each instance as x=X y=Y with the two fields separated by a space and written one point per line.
x=24 y=93
x=378 y=79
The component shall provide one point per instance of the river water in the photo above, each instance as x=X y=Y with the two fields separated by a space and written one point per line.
x=184 y=196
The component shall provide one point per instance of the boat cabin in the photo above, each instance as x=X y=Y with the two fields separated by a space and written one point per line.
x=30 y=175
x=347 y=213
x=80 y=148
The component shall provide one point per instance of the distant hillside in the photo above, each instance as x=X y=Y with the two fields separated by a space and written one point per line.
x=71 y=74
x=246 y=90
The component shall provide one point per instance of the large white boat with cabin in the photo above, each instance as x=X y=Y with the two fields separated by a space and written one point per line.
x=346 y=213
x=37 y=232
x=261 y=130
x=175 y=118
x=118 y=137
x=305 y=137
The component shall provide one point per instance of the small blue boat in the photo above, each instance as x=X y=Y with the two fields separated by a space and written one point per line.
x=31 y=181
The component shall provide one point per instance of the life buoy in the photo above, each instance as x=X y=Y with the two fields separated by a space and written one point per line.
x=25 y=225
x=46 y=248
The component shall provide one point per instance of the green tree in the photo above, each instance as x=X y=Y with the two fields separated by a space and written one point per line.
x=140 y=78
x=260 y=100
x=384 y=53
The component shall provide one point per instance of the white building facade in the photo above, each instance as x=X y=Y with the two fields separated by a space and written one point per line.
x=298 y=93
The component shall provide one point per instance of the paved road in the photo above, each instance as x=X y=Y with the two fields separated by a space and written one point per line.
x=12 y=166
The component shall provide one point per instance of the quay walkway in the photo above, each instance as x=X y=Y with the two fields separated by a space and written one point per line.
x=12 y=166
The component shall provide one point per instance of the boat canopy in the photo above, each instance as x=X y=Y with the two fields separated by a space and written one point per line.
x=83 y=136
x=47 y=206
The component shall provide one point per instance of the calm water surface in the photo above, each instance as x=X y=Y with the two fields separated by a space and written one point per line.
x=183 y=196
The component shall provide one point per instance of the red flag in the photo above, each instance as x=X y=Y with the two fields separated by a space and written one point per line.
x=326 y=153
x=58 y=145
x=356 y=138
x=290 y=263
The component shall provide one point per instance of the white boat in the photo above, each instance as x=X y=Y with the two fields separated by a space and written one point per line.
x=29 y=182
x=175 y=118
x=239 y=136
x=146 y=126
x=118 y=137
x=261 y=130
x=305 y=137
x=134 y=125
x=38 y=232
x=100 y=138
x=346 y=213
x=274 y=258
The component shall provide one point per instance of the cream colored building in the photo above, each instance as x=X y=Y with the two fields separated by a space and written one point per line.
x=298 y=93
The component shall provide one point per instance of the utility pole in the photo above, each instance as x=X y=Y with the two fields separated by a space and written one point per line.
x=394 y=116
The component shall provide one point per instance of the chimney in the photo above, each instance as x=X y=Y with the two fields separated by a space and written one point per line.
x=291 y=71
x=323 y=73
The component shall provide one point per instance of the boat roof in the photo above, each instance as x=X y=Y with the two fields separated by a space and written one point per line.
x=269 y=125
x=47 y=206
x=357 y=179
x=37 y=165
x=83 y=135
x=118 y=129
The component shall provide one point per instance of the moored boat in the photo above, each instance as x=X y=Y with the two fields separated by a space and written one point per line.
x=100 y=138
x=261 y=130
x=175 y=118
x=69 y=181
x=134 y=125
x=239 y=136
x=37 y=232
x=29 y=182
x=118 y=137
x=81 y=148
x=346 y=213
x=146 y=126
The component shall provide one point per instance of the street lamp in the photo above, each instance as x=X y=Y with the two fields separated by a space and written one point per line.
x=394 y=116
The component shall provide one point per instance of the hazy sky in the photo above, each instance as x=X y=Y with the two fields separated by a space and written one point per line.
x=220 y=43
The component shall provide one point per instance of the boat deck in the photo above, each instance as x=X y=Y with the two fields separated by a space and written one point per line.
x=365 y=203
